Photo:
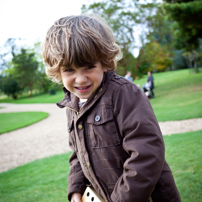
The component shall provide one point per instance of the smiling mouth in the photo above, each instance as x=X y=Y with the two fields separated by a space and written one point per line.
x=82 y=88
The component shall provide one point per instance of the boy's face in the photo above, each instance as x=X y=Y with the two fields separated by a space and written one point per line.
x=84 y=81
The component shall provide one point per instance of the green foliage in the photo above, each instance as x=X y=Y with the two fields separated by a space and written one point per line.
x=52 y=90
x=123 y=16
x=126 y=64
x=25 y=67
x=178 y=61
x=42 y=83
x=160 y=28
x=19 y=120
x=156 y=56
x=119 y=17
x=171 y=35
x=191 y=57
x=188 y=28
x=10 y=86
x=9 y=50
x=160 y=49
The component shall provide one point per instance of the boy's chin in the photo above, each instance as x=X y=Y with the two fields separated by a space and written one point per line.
x=83 y=97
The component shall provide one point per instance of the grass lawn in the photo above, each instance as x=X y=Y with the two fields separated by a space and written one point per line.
x=40 y=181
x=183 y=153
x=12 y=121
x=45 y=180
x=178 y=95
x=38 y=98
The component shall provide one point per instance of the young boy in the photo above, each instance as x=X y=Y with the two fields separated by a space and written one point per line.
x=118 y=148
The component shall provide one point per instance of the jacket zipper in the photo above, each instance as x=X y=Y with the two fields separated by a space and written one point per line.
x=77 y=112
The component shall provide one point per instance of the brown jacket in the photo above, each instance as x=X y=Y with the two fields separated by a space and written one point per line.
x=118 y=146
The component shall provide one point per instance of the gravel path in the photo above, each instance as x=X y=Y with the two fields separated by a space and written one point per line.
x=49 y=137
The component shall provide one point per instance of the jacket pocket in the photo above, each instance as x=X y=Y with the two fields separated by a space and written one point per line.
x=72 y=138
x=102 y=129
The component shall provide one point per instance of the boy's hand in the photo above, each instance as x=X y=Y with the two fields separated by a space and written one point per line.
x=76 y=197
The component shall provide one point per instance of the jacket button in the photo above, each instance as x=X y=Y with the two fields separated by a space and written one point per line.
x=95 y=96
x=97 y=118
x=117 y=77
x=88 y=164
x=80 y=127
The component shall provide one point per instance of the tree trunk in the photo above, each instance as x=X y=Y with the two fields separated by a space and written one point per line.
x=30 y=90
x=195 y=67
x=137 y=63
x=136 y=67
x=14 y=97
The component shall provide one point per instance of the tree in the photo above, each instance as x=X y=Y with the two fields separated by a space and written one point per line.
x=25 y=67
x=123 y=16
x=129 y=61
x=188 y=27
x=9 y=49
x=42 y=82
x=158 y=56
x=200 y=51
x=160 y=28
x=10 y=86
x=191 y=58
x=161 y=39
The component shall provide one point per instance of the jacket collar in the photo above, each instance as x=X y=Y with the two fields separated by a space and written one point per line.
x=71 y=101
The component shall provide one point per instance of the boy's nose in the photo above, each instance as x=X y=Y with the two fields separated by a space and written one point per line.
x=81 y=79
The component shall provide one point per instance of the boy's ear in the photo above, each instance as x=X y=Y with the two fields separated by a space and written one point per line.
x=105 y=69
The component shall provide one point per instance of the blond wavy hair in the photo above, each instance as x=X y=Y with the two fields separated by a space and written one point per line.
x=79 y=41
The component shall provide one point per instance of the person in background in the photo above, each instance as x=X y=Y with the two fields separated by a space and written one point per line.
x=128 y=76
x=149 y=86
x=150 y=79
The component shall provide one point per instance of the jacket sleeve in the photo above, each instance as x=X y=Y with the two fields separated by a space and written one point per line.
x=142 y=140
x=76 y=179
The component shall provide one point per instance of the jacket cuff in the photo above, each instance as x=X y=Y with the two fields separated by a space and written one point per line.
x=75 y=189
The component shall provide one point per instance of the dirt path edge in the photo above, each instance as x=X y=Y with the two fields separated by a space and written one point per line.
x=49 y=136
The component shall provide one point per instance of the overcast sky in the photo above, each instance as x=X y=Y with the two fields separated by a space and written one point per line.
x=30 y=19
